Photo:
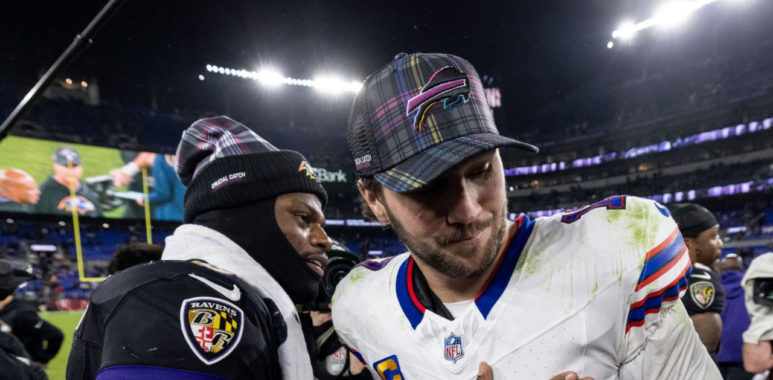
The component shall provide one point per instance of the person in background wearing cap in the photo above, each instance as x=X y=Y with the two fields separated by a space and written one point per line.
x=705 y=297
x=594 y=291
x=221 y=301
x=18 y=191
x=15 y=362
x=55 y=192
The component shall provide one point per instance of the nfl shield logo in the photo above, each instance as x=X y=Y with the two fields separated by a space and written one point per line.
x=211 y=326
x=453 y=348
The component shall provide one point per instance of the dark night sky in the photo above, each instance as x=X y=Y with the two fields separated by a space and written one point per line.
x=538 y=51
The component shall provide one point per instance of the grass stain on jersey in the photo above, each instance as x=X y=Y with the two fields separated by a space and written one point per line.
x=355 y=277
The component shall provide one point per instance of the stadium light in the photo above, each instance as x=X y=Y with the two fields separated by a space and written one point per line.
x=272 y=78
x=675 y=13
x=625 y=31
x=668 y=15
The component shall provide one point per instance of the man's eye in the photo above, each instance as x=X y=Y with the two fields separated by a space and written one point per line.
x=303 y=217
x=481 y=170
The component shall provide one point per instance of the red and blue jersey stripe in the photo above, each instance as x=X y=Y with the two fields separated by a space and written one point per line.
x=660 y=263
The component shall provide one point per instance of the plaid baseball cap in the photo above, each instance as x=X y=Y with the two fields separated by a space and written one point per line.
x=419 y=116
x=225 y=164
x=65 y=155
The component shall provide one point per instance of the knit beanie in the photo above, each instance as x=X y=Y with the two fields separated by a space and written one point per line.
x=225 y=164
x=692 y=218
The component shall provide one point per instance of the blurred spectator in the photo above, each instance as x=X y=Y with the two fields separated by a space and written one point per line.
x=168 y=191
x=132 y=254
x=758 y=286
x=131 y=174
x=735 y=320
x=15 y=362
x=18 y=191
x=41 y=339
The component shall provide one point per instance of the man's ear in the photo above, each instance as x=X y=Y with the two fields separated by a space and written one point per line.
x=374 y=202
x=689 y=242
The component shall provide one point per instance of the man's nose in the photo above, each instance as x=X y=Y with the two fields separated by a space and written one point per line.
x=465 y=206
x=319 y=239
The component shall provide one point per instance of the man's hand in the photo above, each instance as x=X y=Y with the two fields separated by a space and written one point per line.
x=569 y=375
x=484 y=373
x=757 y=357
x=120 y=177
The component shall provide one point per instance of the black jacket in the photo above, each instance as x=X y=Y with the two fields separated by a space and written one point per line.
x=175 y=319
x=41 y=339
x=15 y=363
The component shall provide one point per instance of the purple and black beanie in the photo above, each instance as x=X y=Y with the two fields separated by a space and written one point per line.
x=225 y=164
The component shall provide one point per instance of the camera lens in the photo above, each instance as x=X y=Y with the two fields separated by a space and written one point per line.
x=336 y=270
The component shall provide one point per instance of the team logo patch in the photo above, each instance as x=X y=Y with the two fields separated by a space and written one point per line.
x=702 y=293
x=211 y=326
x=388 y=368
x=453 y=348
x=309 y=170
x=447 y=86
x=77 y=203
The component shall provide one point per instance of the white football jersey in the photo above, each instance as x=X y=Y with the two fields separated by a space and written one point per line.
x=595 y=291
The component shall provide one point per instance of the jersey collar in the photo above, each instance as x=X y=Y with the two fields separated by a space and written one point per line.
x=492 y=290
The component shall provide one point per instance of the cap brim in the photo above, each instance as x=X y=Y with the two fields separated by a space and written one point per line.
x=424 y=167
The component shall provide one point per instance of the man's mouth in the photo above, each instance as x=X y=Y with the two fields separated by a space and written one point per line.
x=317 y=263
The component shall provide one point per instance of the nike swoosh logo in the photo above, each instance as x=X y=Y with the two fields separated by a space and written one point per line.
x=702 y=276
x=232 y=294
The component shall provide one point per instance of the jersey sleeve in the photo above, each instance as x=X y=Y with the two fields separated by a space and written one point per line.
x=661 y=282
x=703 y=294
x=660 y=340
x=86 y=349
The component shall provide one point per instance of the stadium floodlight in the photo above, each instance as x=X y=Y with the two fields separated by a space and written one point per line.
x=270 y=77
x=335 y=85
x=625 y=31
x=668 y=15
x=610 y=45
x=330 y=85
x=674 y=13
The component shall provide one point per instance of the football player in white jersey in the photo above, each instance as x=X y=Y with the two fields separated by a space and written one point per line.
x=595 y=291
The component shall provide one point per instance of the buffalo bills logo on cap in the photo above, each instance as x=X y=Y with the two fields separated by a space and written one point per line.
x=453 y=348
x=447 y=85
x=211 y=326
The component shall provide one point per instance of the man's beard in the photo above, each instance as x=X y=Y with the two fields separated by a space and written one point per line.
x=446 y=263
